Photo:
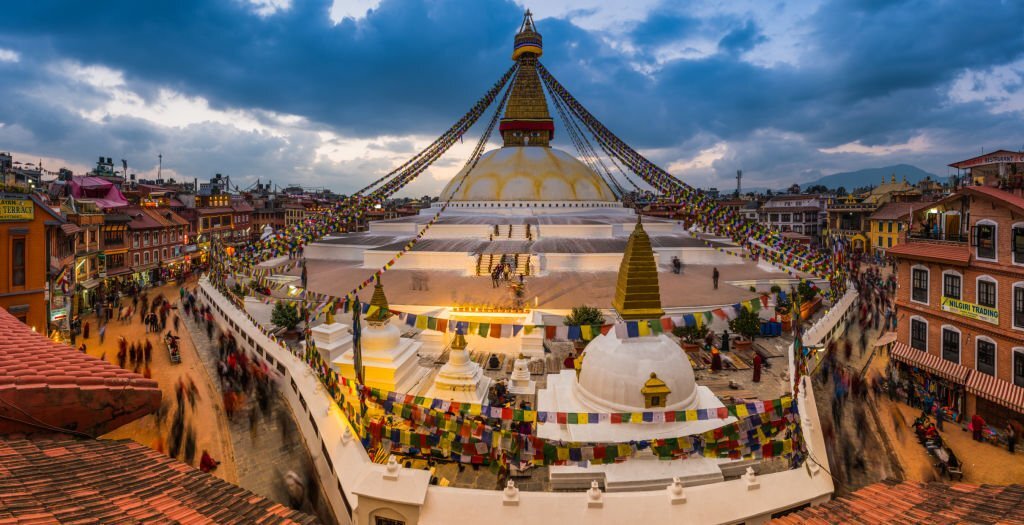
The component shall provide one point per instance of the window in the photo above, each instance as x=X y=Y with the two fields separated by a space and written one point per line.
x=156 y=255
x=890 y=226
x=951 y=285
x=145 y=239
x=986 y=292
x=18 y=257
x=1018 y=305
x=774 y=217
x=986 y=356
x=919 y=334
x=163 y=237
x=164 y=253
x=951 y=344
x=919 y=285
x=1017 y=245
x=985 y=240
x=145 y=257
x=785 y=217
x=135 y=240
x=1018 y=366
x=135 y=258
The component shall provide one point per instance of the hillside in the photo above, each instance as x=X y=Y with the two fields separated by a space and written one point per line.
x=871 y=177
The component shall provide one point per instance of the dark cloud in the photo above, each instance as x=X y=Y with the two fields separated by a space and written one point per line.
x=874 y=72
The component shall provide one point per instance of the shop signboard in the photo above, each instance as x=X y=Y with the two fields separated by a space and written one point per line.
x=16 y=210
x=970 y=310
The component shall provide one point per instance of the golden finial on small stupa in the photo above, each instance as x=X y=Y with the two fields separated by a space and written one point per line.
x=379 y=300
x=459 y=343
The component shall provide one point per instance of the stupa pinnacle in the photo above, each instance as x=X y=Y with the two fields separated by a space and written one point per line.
x=527 y=121
x=637 y=294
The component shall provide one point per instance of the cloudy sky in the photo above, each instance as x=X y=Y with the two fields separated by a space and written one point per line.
x=335 y=94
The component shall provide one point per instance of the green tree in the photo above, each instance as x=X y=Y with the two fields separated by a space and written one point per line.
x=285 y=315
x=747 y=324
x=806 y=291
x=584 y=315
x=691 y=334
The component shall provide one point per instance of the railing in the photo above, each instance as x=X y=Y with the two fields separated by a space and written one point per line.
x=937 y=236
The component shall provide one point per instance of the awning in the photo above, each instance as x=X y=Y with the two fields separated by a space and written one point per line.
x=930 y=363
x=89 y=284
x=886 y=338
x=69 y=228
x=996 y=390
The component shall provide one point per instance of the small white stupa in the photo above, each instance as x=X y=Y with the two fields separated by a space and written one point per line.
x=268 y=232
x=520 y=382
x=390 y=361
x=460 y=379
x=332 y=339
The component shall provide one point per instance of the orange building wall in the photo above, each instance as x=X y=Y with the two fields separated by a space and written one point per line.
x=32 y=294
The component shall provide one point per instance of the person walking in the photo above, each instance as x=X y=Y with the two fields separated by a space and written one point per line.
x=85 y=330
x=758 y=363
x=1011 y=437
x=714 y=277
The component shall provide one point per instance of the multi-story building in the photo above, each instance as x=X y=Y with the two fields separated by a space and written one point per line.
x=90 y=218
x=848 y=218
x=887 y=222
x=242 y=227
x=28 y=231
x=961 y=301
x=157 y=236
x=803 y=214
x=294 y=213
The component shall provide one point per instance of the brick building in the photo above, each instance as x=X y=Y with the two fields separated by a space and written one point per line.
x=157 y=236
x=961 y=302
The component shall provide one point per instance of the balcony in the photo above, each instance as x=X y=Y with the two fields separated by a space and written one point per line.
x=938 y=237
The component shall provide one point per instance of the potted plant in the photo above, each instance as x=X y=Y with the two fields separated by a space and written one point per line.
x=692 y=336
x=783 y=311
x=809 y=299
x=583 y=315
x=285 y=315
x=746 y=324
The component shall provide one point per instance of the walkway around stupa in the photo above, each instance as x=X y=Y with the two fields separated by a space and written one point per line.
x=358 y=488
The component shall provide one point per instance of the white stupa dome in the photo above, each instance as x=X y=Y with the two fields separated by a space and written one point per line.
x=380 y=338
x=614 y=372
x=529 y=173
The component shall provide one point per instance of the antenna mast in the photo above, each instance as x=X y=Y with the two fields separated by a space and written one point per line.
x=739 y=179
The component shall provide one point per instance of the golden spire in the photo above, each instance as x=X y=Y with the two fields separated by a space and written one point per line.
x=381 y=302
x=526 y=121
x=637 y=293
x=459 y=343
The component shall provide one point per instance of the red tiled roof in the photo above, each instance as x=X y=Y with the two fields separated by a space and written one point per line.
x=93 y=481
x=48 y=387
x=894 y=502
x=997 y=194
x=996 y=390
x=891 y=211
x=934 y=364
x=932 y=251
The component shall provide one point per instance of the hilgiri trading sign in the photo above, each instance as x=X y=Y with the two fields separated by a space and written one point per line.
x=16 y=210
x=971 y=310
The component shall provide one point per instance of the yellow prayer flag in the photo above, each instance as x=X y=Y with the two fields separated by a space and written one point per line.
x=691 y=415
x=741 y=411
x=636 y=417
x=587 y=332
x=643 y=328
x=787 y=446
x=474 y=409
x=624 y=450
x=530 y=416
x=421 y=322
x=562 y=454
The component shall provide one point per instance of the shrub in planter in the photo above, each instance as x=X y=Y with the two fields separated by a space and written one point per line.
x=285 y=315
x=806 y=291
x=747 y=324
x=581 y=316
x=776 y=288
x=692 y=334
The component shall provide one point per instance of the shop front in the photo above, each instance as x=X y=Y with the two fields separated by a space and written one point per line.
x=998 y=402
x=924 y=376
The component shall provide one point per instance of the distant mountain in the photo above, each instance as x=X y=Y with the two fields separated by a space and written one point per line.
x=871 y=177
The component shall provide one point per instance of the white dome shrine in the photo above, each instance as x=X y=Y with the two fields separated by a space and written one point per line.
x=528 y=173
x=615 y=370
